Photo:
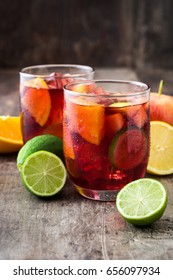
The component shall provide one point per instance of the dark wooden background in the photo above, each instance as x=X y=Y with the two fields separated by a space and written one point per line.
x=113 y=33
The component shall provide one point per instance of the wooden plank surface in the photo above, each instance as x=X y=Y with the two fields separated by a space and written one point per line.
x=69 y=226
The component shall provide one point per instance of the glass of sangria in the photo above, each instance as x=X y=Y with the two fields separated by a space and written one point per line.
x=42 y=97
x=106 y=135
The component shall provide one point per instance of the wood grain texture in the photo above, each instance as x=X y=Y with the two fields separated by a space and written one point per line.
x=69 y=226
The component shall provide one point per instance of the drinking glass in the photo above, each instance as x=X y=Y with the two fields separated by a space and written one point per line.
x=106 y=135
x=42 y=97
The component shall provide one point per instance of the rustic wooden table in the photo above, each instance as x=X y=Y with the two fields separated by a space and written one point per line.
x=69 y=226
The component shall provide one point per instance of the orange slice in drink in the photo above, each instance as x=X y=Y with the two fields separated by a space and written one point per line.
x=37 y=100
x=87 y=120
x=113 y=124
x=68 y=145
x=10 y=134
x=36 y=83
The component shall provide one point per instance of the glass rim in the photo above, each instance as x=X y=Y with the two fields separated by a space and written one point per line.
x=87 y=68
x=127 y=82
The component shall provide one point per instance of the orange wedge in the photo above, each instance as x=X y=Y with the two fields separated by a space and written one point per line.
x=87 y=120
x=36 y=83
x=68 y=144
x=113 y=124
x=37 y=100
x=10 y=134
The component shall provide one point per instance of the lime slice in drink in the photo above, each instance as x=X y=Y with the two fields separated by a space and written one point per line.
x=43 y=173
x=128 y=148
x=142 y=202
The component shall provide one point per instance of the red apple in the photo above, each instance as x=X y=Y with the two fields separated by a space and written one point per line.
x=161 y=106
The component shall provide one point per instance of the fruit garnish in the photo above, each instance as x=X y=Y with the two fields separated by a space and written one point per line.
x=48 y=143
x=142 y=202
x=113 y=123
x=37 y=102
x=99 y=91
x=54 y=80
x=36 y=83
x=137 y=114
x=43 y=173
x=120 y=104
x=87 y=120
x=161 y=148
x=68 y=144
x=83 y=88
x=10 y=134
x=128 y=148
x=57 y=80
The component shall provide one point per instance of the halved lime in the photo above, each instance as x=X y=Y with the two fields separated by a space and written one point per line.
x=43 y=173
x=142 y=202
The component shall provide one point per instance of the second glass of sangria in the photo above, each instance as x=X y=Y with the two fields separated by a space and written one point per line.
x=42 y=96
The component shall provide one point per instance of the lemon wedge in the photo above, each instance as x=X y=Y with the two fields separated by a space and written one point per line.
x=161 y=148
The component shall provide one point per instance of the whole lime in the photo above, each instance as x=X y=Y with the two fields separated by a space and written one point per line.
x=44 y=142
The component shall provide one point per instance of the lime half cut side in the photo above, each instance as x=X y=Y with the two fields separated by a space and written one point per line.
x=142 y=202
x=43 y=173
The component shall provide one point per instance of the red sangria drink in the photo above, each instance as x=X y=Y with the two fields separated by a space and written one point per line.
x=42 y=97
x=106 y=135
